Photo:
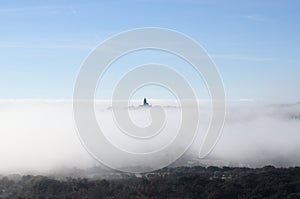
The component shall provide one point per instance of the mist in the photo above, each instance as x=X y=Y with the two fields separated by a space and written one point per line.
x=39 y=136
x=259 y=134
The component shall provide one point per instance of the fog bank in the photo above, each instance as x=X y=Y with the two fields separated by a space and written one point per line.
x=39 y=136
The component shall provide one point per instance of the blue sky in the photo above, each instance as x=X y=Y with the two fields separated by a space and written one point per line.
x=255 y=44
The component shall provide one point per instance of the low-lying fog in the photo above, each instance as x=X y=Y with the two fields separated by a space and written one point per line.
x=39 y=136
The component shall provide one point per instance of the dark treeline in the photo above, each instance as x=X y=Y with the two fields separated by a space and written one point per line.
x=181 y=182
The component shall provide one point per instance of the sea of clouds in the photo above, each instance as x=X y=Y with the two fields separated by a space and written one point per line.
x=39 y=136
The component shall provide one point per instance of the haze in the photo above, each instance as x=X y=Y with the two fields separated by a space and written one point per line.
x=39 y=136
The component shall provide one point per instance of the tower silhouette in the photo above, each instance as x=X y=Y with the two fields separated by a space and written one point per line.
x=145 y=102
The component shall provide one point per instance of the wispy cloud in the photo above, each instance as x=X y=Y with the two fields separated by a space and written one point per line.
x=241 y=57
x=257 y=17
x=45 y=46
x=42 y=9
x=235 y=57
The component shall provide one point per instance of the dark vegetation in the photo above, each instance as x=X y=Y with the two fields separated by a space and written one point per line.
x=181 y=182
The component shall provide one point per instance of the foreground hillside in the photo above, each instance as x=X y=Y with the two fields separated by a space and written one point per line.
x=180 y=182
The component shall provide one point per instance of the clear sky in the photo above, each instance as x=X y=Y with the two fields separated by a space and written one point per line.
x=255 y=44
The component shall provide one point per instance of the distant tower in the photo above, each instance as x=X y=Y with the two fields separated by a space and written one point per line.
x=145 y=102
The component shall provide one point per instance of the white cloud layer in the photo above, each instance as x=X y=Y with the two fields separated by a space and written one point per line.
x=39 y=136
